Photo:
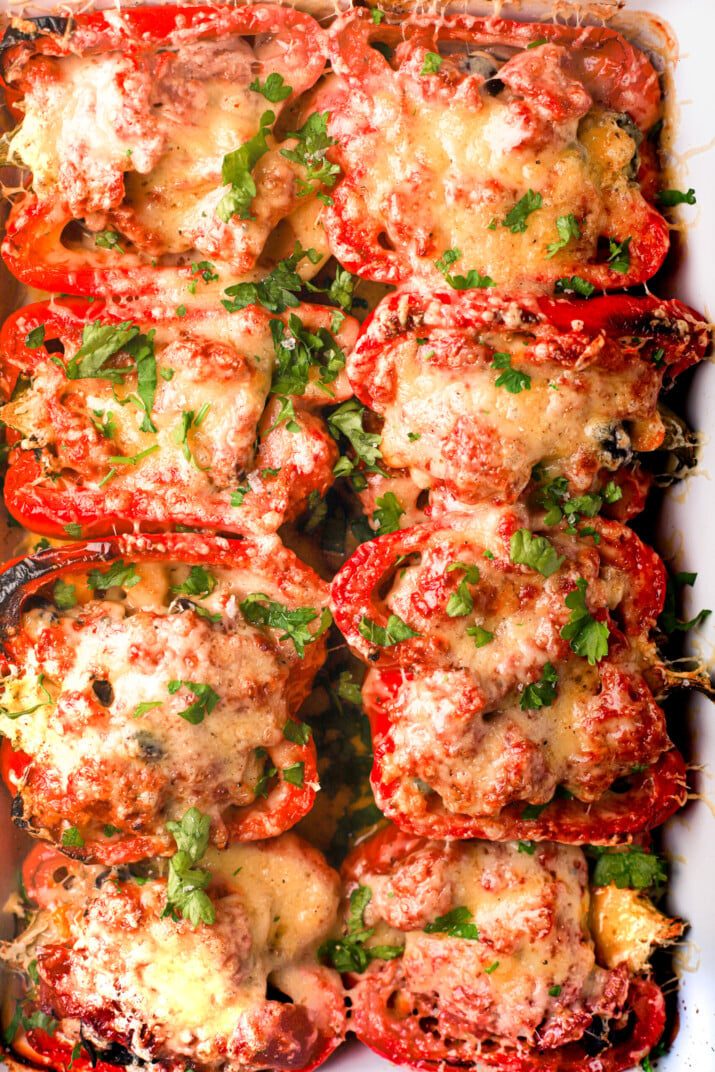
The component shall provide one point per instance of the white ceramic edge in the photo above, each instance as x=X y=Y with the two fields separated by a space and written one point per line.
x=684 y=535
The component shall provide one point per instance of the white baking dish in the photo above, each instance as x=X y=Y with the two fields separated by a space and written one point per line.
x=683 y=534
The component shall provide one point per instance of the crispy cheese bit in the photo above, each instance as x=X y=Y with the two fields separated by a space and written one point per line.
x=627 y=927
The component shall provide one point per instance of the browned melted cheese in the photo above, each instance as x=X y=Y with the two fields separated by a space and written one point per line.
x=437 y=161
x=133 y=141
x=455 y=724
x=531 y=915
x=101 y=755
x=166 y=990
x=217 y=368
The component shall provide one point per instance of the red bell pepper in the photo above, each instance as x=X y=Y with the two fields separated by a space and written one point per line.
x=52 y=796
x=462 y=748
x=195 y=463
x=120 y=249
x=416 y=187
x=295 y=1032
x=399 y=1018
x=584 y=404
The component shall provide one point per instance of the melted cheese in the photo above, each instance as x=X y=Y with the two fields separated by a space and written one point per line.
x=134 y=142
x=456 y=727
x=531 y=915
x=439 y=167
x=627 y=927
x=122 y=752
x=481 y=441
x=214 y=432
x=171 y=990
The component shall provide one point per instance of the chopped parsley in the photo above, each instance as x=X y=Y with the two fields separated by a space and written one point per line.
x=141 y=709
x=273 y=89
x=310 y=152
x=482 y=636
x=554 y=991
x=118 y=575
x=514 y=381
x=64 y=595
x=299 y=350
x=236 y=173
x=541 y=693
x=190 y=421
x=203 y=704
x=387 y=513
x=554 y=497
x=71 y=838
x=294 y=774
x=668 y=621
x=349 y=953
x=455 y=924
x=432 y=63
x=278 y=291
x=574 y=285
x=567 y=228
x=133 y=459
x=629 y=869
x=493 y=966
x=386 y=637
x=260 y=609
x=516 y=218
x=35 y=338
x=297 y=732
x=675 y=197
x=471 y=281
x=49 y=702
x=186 y=884
x=347 y=420
x=73 y=528
x=534 y=551
x=341 y=289
x=586 y=636
x=527 y=847
x=37 y=1019
x=619 y=255
x=198 y=583
x=108 y=240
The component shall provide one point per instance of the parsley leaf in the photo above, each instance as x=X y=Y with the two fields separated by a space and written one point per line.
x=471 y=281
x=347 y=420
x=574 y=285
x=298 y=351
x=675 y=197
x=620 y=255
x=147 y=705
x=460 y=602
x=199 y=583
x=567 y=228
x=586 y=636
x=668 y=622
x=35 y=338
x=37 y=1019
x=273 y=89
x=297 y=732
x=310 y=152
x=206 y=700
x=259 y=609
x=71 y=838
x=633 y=869
x=73 y=528
x=516 y=217
x=64 y=595
x=342 y=287
x=49 y=702
x=514 y=381
x=456 y=924
x=534 y=551
x=471 y=572
x=388 y=513
x=185 y=889
x=541 y=693
x=481 y=636
x=236 y=173
x=99 y=343
x=108 y=240
x=350 y=954
x=432 y=63
x=189 y=421
x=277 y=292
x=394 y=633
x=294 y=774
x=118 y=575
